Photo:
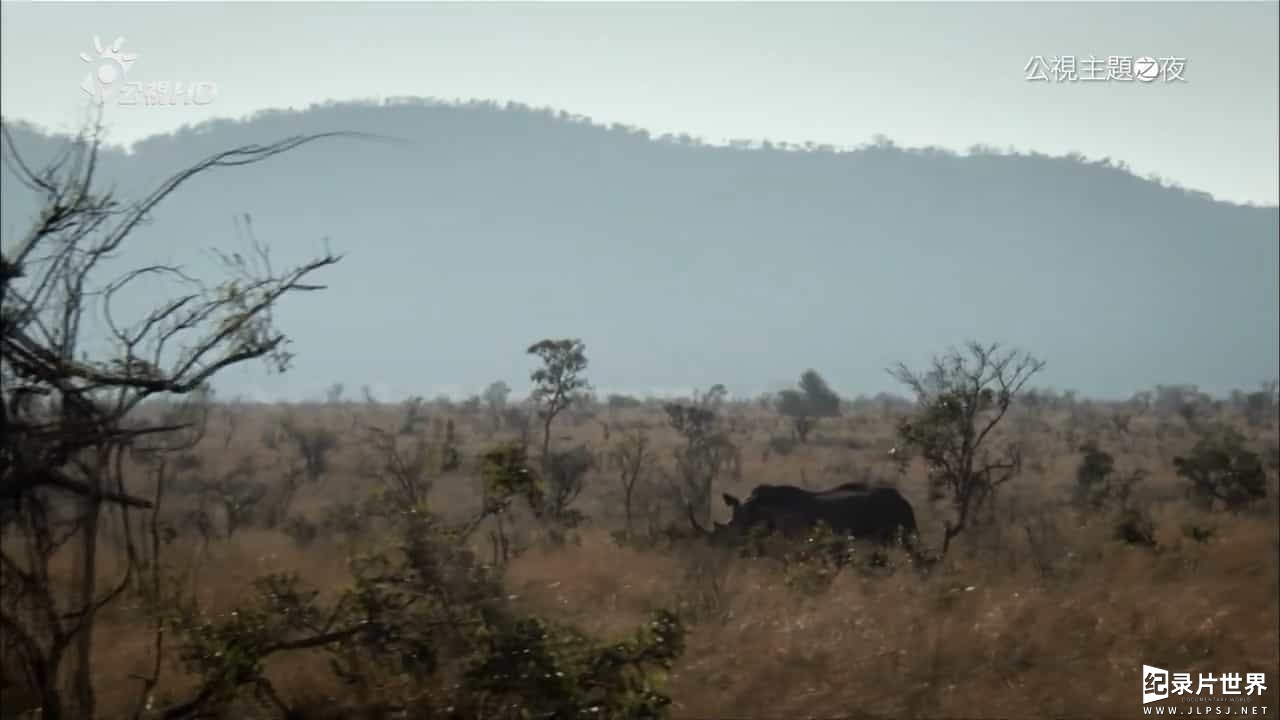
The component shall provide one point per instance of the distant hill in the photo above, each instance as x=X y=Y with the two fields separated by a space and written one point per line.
x=683 y=265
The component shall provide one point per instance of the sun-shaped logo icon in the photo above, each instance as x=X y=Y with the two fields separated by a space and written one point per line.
x=110 y=66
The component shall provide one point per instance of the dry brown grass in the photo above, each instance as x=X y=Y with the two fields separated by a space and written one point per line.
x=1042 y=615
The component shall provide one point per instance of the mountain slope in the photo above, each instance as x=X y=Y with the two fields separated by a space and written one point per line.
x=685 y=265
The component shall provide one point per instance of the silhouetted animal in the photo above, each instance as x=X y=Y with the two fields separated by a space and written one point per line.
x=878 y=514
x=790 y=493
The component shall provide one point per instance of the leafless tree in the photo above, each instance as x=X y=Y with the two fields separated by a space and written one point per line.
x=69 y=412
x=631 y=457
x=311 y=457
x=405 y=461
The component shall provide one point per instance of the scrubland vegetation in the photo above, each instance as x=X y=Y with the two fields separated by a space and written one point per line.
x=169 y=553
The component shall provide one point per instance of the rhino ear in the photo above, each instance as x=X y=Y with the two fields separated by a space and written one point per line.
x=730 y=500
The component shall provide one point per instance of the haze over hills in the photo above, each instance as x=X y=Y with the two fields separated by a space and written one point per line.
x=681 y=265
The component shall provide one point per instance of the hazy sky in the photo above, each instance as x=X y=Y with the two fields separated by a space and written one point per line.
x=950 y=74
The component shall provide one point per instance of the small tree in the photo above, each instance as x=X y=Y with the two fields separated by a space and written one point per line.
x=630 y=457
x=405 y=462
x=495 y=401
x=566 y=473
x=622 y=402
x=507 y=476
x=313 y=447
x=813 y=401
x=1097 y=485
x=334 y=393
x=583 y=407
x=1260 y=407
x=1221 y=468
x=706 y=452
x=237 y=494
x=714 y=398
x=557 y=382
x=961 y=399
x=520 y=419
x=1095 y=469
